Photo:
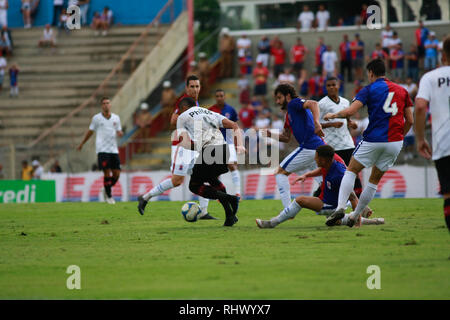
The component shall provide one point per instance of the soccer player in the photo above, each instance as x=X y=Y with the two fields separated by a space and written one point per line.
x=390 y=118
x=337 y=134
x=302 y=120
x=107 y=127
x=332 y=169
x=182 y=159
x=230 y=113
x=434 y=93
x=202 y=134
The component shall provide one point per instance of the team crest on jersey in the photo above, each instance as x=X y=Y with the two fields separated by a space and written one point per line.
x=329 y=185
x=227 y=115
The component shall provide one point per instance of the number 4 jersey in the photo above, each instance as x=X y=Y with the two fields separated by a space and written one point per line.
x=386 y=102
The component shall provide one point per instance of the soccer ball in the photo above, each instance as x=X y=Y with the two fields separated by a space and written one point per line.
x=190 y=211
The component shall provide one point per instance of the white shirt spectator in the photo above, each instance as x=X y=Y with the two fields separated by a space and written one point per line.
x=243 y=84
x=338 y=138
x=106 y=132
x=72 y=3
x=58 y=2
x=286 y=78
x=38 y=170
x=3 y=13
x=393 y=41
x=410 y=88
x=262 y=123
x=3 y=65
x=306 y=18
x=329 y=59
x=437 y=97
x=322 y=19
x=385 y=37
x=243 y=44
x=48 y=35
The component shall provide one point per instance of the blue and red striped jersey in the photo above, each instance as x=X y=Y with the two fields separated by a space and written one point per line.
x=332 y=181
x=386 y=102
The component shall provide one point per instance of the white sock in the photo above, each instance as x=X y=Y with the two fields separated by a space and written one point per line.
x=203 y=205
x=365 y=198
x=347 y=184
x=236 y=178
x=287 y=213
x=345 y=219
x=284 y=189
x=367 y=221
x=159 y=189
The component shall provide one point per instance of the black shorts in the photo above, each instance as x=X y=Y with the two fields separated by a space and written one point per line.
x=260 y=89
x=346 y=155
x=421 y=51
x=443 y=171
x=297 y=67
x=108 y=161
x=212 y=163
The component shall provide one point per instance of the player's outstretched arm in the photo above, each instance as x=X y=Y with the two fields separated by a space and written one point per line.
x=284 y=136
x=419 y=128
x=87 y=135
x=228 y=124
x=409 y=120
x=344 y=113
x=336 y=124
x=310 y=174
x=314 y=107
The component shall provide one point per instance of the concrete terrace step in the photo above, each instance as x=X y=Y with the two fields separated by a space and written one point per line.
x=34 y=104
x=46 y=56
x=112 y=49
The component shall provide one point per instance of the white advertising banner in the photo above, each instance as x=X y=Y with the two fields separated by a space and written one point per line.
x=399 y=182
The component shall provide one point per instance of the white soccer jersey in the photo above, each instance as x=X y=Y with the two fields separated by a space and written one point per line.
x=338 y=138
x=202 y=125
x=322 y=18
x=435 y=88
x=106 y=132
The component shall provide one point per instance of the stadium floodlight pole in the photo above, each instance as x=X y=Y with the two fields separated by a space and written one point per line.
x=190 y=51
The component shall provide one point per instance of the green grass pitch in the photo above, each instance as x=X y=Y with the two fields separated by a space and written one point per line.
x=123 y=255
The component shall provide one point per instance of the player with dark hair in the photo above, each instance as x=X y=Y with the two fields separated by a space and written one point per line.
x=213 y=153
x=182 y=159
x=332 y=168
x=107 y=127
x=390 y=118
x=434 y=93
x=337 y=133
x=302 y=120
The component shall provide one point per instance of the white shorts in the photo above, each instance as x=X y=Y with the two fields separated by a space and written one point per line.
x=233 y=155
x=379 y=154
x=183 y=160
x=299 y=161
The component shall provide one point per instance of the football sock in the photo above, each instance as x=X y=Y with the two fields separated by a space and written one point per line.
x=107 y=182
x=366 y=196
x=203 y=204
x=347 y=183
x=114 y=181
x=284 y=189
x=287 y=213
x=159 y=189
x=447 y=212
x=236 y=178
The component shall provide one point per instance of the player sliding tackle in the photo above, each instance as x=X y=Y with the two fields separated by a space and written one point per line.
x=390 y=118
x=332 y=168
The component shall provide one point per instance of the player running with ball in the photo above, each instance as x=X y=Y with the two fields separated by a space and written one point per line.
x=390 y=118
x=332 y=168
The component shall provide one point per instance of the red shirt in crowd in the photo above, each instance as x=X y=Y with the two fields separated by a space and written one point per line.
x=298 y=53
x=260 y=74
x=279 y=55
x=381 y=54
x=246 y=115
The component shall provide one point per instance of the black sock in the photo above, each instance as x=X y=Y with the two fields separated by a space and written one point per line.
x=447 y=212
x=107 y=182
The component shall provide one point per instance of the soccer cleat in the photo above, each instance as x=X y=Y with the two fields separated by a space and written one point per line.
x=264 y=224
x=334 y=217
x=352 y=222
x=141 y=205
x=230 y=221
x=207 y=216
x=110 y=200
x=366 y=213
x=105 y=196
x=379 y=220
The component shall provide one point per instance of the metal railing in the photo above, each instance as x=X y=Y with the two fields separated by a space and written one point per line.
x=68 y=130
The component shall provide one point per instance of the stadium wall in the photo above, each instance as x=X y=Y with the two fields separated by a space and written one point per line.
x=399 y=182
x=130 y=12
